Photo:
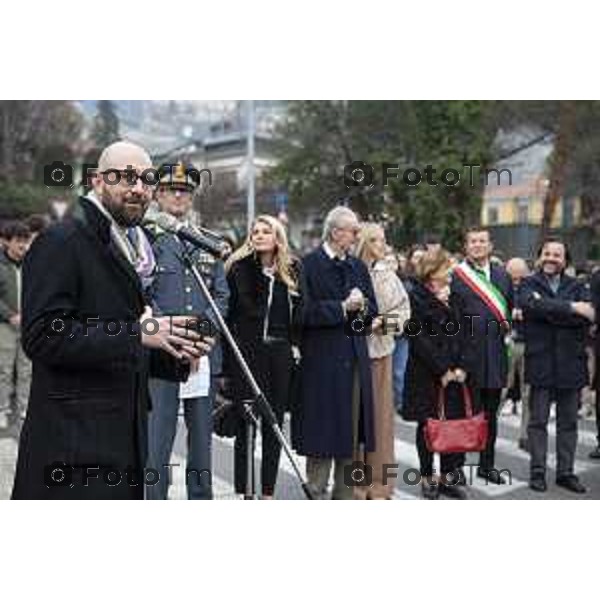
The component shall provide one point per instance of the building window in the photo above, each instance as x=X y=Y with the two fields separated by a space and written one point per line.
x=522 y=214
x=568 y=212
x=492 y=215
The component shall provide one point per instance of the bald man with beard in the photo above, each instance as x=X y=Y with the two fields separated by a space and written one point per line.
x=88 y=330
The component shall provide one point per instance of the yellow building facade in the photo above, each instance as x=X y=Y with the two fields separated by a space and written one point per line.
x=523 y=205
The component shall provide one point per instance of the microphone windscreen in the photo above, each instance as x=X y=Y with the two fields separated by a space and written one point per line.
x=163 y=220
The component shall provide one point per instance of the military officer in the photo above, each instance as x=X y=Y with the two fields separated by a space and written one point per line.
x=175 y=291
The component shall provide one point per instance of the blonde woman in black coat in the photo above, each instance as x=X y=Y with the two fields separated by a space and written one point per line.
x=265 y=319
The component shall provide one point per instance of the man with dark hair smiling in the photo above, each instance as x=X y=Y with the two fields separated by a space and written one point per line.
x=84 y=327
x=557 y=313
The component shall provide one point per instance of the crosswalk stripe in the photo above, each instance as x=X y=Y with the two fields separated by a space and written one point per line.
x=284 y=464
x=406 y=456
x=585 y=437
x=510 y=447
x=402 y=495
x=407 y=451
x=222 y=489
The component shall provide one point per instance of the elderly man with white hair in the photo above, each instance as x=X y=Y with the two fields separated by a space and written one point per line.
x=336 y=409
x=518 y=270
x=86 y=328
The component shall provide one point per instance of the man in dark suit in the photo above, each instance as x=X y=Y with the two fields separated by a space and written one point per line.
x=483 y=292
x=558 y=314
x=85 y=327
x=336 y=412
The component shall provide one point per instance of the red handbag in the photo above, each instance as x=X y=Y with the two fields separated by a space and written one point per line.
x=456 y=435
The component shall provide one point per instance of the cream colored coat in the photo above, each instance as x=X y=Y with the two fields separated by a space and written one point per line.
x=393 y=303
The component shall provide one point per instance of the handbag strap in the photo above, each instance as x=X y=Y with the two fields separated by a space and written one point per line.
x=467 y=400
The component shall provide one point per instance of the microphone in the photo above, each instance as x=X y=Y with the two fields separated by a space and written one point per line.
x=207 y=240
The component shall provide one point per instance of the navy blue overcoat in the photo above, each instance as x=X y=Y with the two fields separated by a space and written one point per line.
x=329 y=355
x=555 y=337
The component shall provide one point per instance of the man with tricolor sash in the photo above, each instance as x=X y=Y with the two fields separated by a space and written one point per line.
x=483 y=291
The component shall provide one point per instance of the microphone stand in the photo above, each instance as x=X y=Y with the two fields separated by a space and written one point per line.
x=258 y=400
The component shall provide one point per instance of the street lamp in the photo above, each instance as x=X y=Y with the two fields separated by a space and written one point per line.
x=250 y=163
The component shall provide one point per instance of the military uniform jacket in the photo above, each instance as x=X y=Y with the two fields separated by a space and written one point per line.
x=174 y=290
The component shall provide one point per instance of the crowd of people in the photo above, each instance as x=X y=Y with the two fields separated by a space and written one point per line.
x=517 y=332
x=344 y=338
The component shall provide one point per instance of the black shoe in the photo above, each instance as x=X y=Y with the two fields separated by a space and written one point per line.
x=595 y=453
x=538 y=484
x=523 y=444
x=453 y=491
x=571 y=483
x=430 y=491
x=454 y=478
x=462 y=478
x=492 y=476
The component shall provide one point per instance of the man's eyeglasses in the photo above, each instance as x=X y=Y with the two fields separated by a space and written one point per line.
x=355 y=229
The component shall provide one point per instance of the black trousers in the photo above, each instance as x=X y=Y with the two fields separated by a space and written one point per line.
x=451 y=461
x=448 y=462
x=273 y=373
x=567 y=401
x=489 y=401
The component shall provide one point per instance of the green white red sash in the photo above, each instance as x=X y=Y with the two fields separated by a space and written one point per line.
x=489 y=294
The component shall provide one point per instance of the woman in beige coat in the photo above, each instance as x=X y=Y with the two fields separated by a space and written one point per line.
x=394 y=311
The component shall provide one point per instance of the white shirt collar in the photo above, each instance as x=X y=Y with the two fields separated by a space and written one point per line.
x=331 y=252
x=487 y=268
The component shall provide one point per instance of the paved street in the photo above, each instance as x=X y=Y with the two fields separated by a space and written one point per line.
x=508 y=453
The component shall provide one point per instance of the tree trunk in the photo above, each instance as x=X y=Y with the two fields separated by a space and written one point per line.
x=560 y=157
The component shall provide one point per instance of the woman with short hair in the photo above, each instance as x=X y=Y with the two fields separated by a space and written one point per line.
x=434 y=362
